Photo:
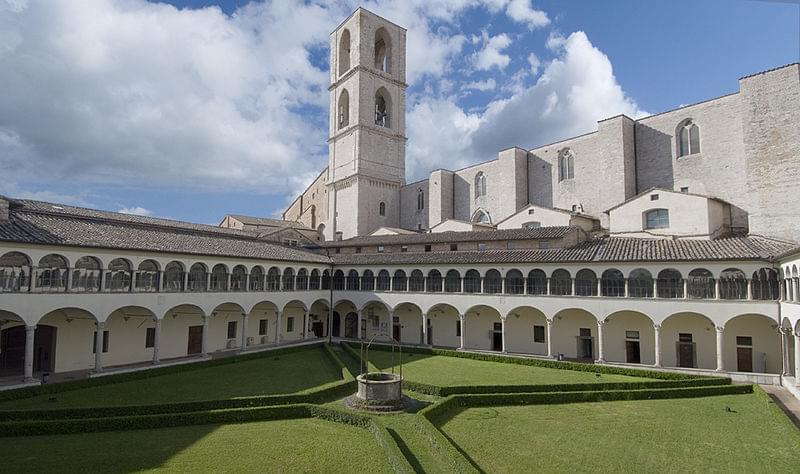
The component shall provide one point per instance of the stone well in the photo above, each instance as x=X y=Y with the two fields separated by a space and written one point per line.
x=380 y=386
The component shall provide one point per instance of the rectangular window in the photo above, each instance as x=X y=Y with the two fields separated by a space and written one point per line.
x=538 y=333
x=685 y=189
x=530 y=211
x=585 y=332
x=654 y=197
x=262 y=327
x=290 y=324
x=632 y=334
x=404 y=248
x=380 y=249
x=358 y=249
x=231 y=329
x=458 y=328
x=498 y=326
x=657 y=219
x=427 y=248
x=744 y=341
x=685 y=337
x=481 y=247
x=105 y=342
x=150 y=338
x=338 y=250
x=453 y=247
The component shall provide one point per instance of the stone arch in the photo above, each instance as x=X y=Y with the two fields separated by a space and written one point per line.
x=287 y=280
x=293 y=319
x=367 y=280
x=483 y=328
x=526 y=330
x=384 y=281
x=219 y=278
x=732 y=284
x=352 y=281
x=383 y=108
x=493 y=282
x=700 y=284
x=560 y=282
x=86 y=274
x=669 y=283
x=696 y=348
x=345 y=316
x=537 y=282
x=15 y=272
x=51 y=274
x=586 y=282
x=416 y=282
x=481 y=216
x=128 y=328
x=344 y=52
x=687 y=138
x=343 y=110
x=433 y=283
x=515 y=282
x=640 y=283
x=273 y=279
x=13 y=337
x=452 y=281
x=472 y=281
x=574 y=334
x=376 y=320
x=612 y=283
x=382 y=51
x=196 y=279
x=443 y=325
x=628 y=334
x=148 y=277
x=399 y=281
x=752 y=343
x=409 y=317
x=72 y=337
x=239 y=278
x=173 y=276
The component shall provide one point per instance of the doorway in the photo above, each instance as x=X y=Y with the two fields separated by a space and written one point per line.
x=744 y=353
x=686 y=350
x=396 y=327
x=632 y=348
x=430 y=332
x=336 y=324
x=12 y=357
x=316 y=328
x=195 y=340
x=585 y=346
x=497 y=337
x=351 y=326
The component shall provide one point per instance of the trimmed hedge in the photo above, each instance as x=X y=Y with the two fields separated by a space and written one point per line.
x=548 y=363
x=337 y=362
x=455 y=403
x=27 y=392
x=325 y=394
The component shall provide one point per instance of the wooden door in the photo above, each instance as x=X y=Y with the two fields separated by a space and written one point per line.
x=632 y=354
x=586 y=348
x=685 y=354
x=497 y=341
x=744 y=359
x=396 y=332
x=316 y=328
x=195 y=340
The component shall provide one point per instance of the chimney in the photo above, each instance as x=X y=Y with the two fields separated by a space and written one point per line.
x=4 y=209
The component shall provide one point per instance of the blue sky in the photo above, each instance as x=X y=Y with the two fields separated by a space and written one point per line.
x=201 y=108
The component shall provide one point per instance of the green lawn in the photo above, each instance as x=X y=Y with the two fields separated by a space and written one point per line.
x=306 y=445
x=291 y=372
x=696 y=435
x=448 y=371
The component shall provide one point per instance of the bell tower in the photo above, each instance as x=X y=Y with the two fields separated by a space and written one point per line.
x=367 y=142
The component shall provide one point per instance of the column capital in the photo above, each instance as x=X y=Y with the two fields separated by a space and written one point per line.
x=548 y=321
x=462 y=316
x=601 y=322
x=657 y=327
x=720 y=328
x=101 y=324
x=503 y=317
x=30 y=328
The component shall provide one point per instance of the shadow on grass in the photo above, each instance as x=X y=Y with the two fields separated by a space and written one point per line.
x=461 y=450
x=406 y=451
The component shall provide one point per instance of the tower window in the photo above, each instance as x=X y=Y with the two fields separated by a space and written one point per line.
x=344 y=109
x=382 y=107
x=688 y=138
x=344 y=52
x=382 y=50
x=481 y=217
x=420 y=199
x=382 y=208
x=657 y=219
x=480 y=185
x=566 y=164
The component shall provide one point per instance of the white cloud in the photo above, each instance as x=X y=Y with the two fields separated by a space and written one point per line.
x=522 y=11
x=535 y=63
x=574 y=91
x=137 y=211
x=485 y=85
x=491 y=55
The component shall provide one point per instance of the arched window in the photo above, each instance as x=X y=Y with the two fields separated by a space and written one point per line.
x=273 y=279
x=420 y=199
x=344 y=52
x=700 y=284
x=367 y=281
x=560 y=282
x=670 y=283
x=612 y=283
x=452 y=282
x=481 y=217
x=384 y=281
x=313 y=280
x=173 y=276
x=480 y=185
x=219 y=278
x=383 y=105
x=417 y=281
x=326 y=280
x=732 y=284
x=120 y=272
x=537 y=283
x=566 y=164
x=14 y=271
x=656 y=219
x=238 y=278
x=472 y=281
x=764 y=285
x=352 y=280
x=688 y=138
x=586 y=283
x=52 y=273
x=147 y=276
x=382 y=208
x=288 y=279
x=321 y=232
x=302 y=279
x=257 y=278
x=492 y=282
x=399 y=282
x=344 y=110
x=640 y=284
x=515 y=282
x=338 y=280
x=86 y=276
x=383 y=46
x=434 y=283
x=197 y=277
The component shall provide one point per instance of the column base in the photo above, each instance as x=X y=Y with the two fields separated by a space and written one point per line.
x=719 y=370
x=30 y=380
x=600 y=361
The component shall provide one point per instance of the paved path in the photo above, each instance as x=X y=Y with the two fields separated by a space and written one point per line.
x=784 y=399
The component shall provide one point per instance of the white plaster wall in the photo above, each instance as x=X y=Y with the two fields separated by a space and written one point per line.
x=703 y=335
x=519 y=331
x=566 y=329
x=614 y=336
x=451 y=225
x=766 y=343
x=479 y=327
x=74 y=341
x=547 y=217
x=688 y=214
x=444 y=328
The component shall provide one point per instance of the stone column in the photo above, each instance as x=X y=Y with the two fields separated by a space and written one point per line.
x=685 y=288
x=160 y=281
x=461 y=284
x=599 y=287
x=246 y=282
x=30 y=333
x=204 y=344
x=157 y=341
x=782 y=290
x=462 y=320
x=626 y=288
x=600 y=349
x=503 y=332
x=655 y=287
x=657 y=331
x=503 y=285
x=228 y=283
x=572 y=282
x=548 y=286
x=716 y=288
x=305 y=325
x=795 y=290
x=797 y=359
x=98 y=353
x=102 y=280
x=185 y=281
x=208 y=281
x=358 y=324
x=69 y=279
x=424 y=329
x=279 y=314
x=720 y=333
x=549 y=338
x=244 y=329
x=749 y=289
x=785 y=350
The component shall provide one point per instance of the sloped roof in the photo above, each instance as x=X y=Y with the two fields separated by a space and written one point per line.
x=447 y=237
x=268 y=222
